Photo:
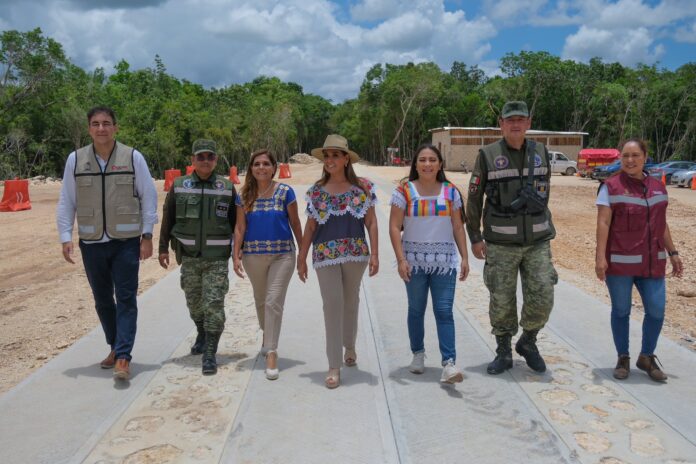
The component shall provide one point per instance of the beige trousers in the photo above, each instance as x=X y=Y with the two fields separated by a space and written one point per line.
x=340 y=291
x=269 y=275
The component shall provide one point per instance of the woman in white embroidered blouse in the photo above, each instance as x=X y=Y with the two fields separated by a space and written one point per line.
x=339 y=208
x=429 y=209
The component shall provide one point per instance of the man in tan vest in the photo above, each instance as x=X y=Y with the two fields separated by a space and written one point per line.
x=108 y=186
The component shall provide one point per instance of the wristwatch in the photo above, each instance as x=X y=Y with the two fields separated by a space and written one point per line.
x=673 y=253
x=147 y=236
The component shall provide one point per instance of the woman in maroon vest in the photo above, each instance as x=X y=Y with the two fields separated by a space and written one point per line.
x=633 y=244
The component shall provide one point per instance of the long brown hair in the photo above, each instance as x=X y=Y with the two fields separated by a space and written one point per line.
x=349 y=172
x=250 y=189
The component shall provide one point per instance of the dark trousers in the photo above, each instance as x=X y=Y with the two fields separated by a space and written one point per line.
x=112 y=269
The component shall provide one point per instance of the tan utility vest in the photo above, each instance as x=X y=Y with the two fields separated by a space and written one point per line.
x=107 y=201
x=501 y=224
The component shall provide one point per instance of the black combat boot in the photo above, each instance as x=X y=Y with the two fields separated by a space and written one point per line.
x=211 y=344
x=503 y=359
x=526 y=347
x=199 y=345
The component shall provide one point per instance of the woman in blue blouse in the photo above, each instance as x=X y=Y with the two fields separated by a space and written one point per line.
x=339 y=208
x=266 y=221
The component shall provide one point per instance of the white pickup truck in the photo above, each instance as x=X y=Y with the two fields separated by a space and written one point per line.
x=561 y=164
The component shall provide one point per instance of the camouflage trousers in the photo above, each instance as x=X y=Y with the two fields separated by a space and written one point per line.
x=538 y=278
x=205 y=284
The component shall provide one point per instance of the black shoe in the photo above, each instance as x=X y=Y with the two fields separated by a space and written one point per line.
x=209 y=363
x=526 y=347
x=199 y=345
x=503 y=359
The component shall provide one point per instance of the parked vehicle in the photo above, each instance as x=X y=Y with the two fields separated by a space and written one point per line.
x=602 y=172
x=684 y=178
x=590 y=158
x=670 y=167
x=561 y=164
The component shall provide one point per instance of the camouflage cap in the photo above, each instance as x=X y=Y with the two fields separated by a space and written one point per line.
x=203 y=146
x=514 y=108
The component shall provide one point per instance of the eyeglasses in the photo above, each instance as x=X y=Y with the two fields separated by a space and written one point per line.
x=206 y=156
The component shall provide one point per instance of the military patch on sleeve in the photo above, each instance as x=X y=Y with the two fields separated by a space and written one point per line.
x=221 y=209
x=474 y=183
x=219 y=185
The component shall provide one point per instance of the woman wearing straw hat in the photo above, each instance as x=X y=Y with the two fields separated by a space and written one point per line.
x=266 y=221
x=339 y=208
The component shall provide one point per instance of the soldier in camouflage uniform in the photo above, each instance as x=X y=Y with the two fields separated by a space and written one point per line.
x=517 y=228
x=199 y=218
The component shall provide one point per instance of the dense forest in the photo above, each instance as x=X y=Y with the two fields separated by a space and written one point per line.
x=44 y=99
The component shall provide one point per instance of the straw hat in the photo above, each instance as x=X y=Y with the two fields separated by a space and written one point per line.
x=335 y=142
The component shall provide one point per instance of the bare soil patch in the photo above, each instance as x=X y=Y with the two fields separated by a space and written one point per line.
x=46 y=303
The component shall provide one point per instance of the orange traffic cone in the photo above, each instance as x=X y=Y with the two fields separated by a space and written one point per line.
x=16 y=196
x=693 y=183
x=664 y=179
x=233 y=175
x=284 y=171
x=189 y=170
x=169 y=176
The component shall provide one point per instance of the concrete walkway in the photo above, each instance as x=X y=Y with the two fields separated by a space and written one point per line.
x=71 y=411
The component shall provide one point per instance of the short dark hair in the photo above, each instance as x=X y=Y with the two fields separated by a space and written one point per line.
x=638 y=141
x=101 y=109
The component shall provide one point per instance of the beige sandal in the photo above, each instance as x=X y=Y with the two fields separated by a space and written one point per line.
x=333 y=379
x=350 y=358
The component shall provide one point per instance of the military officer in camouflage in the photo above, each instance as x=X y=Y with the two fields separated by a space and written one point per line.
x=199 y=218
x=514 y=174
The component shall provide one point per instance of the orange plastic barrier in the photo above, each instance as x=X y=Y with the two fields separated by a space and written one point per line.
x=189 y=170
x=16 y=196
x=233 y=175
x=664 y=179
x=169 y=176
x=693 y=183
x=284 y=171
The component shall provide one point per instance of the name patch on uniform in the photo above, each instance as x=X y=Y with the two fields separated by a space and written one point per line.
x=119 y=168
x=188 y=183
x=501 y=162
x=219 y=185
x=537 y=161
x=221 y=209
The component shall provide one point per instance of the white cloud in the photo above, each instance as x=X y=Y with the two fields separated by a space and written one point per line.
x=373 y=10
x=628 y=47
x=406 y=32
x=686 y=34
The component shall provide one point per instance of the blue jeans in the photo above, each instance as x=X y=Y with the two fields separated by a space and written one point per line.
x=112 y=268
x=442 y=293
x=652 y=294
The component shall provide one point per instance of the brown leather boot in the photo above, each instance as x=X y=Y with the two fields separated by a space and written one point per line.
x=623 y=367
x=109 y=361
x=649 y=364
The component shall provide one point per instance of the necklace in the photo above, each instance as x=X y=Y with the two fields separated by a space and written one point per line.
x=262 y=194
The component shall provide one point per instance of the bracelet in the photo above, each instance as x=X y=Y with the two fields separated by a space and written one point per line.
x=673 y=253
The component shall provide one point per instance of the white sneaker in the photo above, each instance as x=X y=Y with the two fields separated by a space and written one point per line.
x=450 y=373
x=418 y=364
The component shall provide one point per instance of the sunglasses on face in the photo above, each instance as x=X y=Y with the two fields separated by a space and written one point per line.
x=206 y=156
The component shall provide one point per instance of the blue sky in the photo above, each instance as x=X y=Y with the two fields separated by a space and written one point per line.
x=327 y=46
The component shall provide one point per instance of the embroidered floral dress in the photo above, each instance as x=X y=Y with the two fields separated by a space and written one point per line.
x=340 y=233
x=268 y=228
x=428 y=237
